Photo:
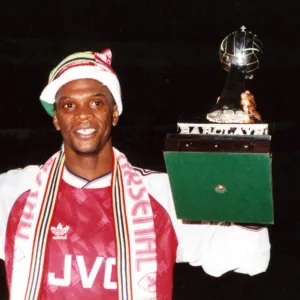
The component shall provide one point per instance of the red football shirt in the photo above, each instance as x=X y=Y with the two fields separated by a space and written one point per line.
x=80 y=260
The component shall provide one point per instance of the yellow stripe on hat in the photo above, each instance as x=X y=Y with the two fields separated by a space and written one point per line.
x=79 y=56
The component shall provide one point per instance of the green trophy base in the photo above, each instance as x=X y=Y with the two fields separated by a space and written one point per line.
x=220 y=178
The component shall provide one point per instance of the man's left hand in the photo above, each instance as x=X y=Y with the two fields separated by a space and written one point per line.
x=249 y=106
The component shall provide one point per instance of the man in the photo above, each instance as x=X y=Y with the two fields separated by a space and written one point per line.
x=88 y=225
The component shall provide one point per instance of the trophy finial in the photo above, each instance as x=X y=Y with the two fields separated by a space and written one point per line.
x=243 y=28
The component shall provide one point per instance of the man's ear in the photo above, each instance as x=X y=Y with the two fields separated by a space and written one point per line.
x=55 y=121
x=115 y=117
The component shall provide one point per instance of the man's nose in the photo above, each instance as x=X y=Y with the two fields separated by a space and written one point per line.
x=83 y=112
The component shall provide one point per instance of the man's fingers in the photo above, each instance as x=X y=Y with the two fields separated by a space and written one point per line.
x=245 y=109
x=255 y=114
x=247 y=99
x=249 y=106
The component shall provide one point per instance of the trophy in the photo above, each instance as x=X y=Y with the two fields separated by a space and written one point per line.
x=239 y=55
x=220 y=168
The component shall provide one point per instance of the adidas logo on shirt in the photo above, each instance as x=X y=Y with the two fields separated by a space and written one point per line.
x=59 y=232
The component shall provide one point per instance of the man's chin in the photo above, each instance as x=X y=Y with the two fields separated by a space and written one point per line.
x=87 y=152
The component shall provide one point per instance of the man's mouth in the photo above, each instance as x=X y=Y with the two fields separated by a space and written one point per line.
x=86 y=132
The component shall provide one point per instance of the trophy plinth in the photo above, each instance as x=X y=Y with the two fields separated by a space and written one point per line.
x=220 y=171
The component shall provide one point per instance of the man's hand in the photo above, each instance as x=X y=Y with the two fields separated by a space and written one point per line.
x=249 y=106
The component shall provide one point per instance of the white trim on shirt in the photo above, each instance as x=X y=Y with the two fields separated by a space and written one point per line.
x=79 y=182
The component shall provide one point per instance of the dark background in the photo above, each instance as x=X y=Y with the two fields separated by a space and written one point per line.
x=165 y=54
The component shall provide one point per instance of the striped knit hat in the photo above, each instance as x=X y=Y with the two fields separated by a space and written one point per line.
x=81 y=65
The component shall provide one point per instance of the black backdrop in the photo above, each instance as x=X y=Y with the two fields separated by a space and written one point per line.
x=154 y=99
x=166 y=57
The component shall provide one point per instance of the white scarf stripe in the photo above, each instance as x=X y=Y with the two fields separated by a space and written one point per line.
x=135 y=196
x=40 y=246
x=38 y=260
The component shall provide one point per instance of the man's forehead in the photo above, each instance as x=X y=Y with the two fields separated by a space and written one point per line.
x=87 y=86
x=87 y=82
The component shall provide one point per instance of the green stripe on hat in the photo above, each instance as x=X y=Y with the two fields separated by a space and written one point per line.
x=49 y=108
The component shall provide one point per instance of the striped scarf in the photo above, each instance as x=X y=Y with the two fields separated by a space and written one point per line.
x=131 y=204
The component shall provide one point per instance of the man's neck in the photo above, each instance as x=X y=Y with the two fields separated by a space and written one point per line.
x=90 y=166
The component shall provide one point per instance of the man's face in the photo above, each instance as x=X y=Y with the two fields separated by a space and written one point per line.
x=85 y=114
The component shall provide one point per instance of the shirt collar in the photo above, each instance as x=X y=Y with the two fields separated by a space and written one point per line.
x=79 y=182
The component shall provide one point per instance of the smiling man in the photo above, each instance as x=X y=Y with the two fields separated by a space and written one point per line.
x=85 y=113
x=89 y=225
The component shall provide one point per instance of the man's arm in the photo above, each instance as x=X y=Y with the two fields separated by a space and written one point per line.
x=217 y=248
x=12 y=185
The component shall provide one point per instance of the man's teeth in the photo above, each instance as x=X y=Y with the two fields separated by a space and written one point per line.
x=86 y=131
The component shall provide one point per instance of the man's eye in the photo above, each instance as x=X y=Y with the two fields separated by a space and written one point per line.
x=68 y=105
x=97 y=103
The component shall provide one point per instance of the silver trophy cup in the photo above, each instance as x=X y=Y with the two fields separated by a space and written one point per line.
x=240 y=53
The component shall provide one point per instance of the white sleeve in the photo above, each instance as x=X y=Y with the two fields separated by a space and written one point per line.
x=217 y=248
x=12 y=185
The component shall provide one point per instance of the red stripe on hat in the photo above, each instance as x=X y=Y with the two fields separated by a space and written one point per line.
x=100 y=61
x=72 y=65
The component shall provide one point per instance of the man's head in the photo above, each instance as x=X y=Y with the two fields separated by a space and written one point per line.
x=83 y=96
x=85 y=112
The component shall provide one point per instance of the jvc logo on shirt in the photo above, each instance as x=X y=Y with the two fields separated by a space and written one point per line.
x=87 y=279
